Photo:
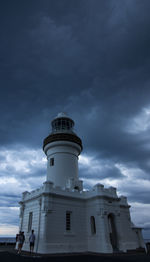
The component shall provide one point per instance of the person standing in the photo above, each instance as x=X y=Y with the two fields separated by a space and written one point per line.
x=21 y=239
x=32 y=240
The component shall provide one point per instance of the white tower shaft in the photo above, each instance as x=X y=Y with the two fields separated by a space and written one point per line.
x=62 y=162
x=62 y=148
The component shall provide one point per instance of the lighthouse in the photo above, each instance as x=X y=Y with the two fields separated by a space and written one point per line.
x=65 y=217
x=62 y=148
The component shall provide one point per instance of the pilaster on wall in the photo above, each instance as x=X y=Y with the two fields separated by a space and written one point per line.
x=39 y=223
x=21 y=215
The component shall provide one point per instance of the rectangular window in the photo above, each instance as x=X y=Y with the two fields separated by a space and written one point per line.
x=52 y=161
x=68 y=220
x=30 y=221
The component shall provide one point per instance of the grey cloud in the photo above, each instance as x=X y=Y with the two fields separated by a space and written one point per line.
x=8 y=216
x=10 y=200
x=108 y=171
x=139 y=195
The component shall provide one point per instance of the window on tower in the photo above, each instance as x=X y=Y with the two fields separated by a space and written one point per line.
x=63 y=124
x=52 y=161
x=67 y=123
x=59 y=123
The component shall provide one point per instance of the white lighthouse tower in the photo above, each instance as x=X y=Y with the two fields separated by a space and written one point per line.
x=62 y=148
x=66 y=218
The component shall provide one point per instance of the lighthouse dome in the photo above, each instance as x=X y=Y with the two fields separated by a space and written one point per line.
x=62 y=123
x=62 y=130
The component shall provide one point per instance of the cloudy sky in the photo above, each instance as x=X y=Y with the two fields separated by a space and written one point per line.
x=90 y=59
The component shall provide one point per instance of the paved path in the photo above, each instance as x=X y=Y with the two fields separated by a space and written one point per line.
x=9 y=254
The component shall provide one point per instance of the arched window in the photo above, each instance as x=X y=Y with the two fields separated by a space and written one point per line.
x=93 y=225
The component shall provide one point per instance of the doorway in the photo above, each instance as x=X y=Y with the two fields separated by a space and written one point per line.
x=112 y=232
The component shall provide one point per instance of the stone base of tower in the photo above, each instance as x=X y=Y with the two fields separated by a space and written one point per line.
x=72 y=221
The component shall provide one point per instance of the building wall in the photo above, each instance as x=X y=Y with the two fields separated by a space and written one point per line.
x=34 y=207
x=49 y=223
x=53 y=236
x=57 y=238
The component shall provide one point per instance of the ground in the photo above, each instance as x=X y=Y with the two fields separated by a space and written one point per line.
x=9 y=254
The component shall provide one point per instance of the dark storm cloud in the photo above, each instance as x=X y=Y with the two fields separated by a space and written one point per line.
x=55 y=51
x=95 y=51
x=90 y=59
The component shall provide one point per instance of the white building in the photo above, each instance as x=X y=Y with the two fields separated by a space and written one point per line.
x=67 y=218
